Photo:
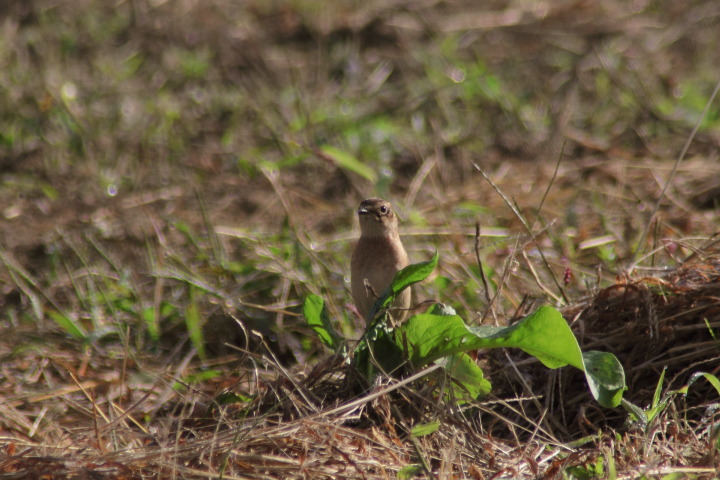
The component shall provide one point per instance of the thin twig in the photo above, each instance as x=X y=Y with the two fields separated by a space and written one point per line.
x=552 y=182
x=503 y=279
x=528 y=228
x=507 y=201
x=363 y=400
x=416 y=445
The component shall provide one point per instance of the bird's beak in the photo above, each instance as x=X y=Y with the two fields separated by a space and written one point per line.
x=362 y=211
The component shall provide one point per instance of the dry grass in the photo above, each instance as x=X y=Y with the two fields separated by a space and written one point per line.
x=131 y=421
x=162 y=168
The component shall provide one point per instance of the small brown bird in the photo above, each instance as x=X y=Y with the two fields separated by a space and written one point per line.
x=378 y=256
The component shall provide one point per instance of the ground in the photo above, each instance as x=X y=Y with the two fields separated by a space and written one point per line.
x=178 y=177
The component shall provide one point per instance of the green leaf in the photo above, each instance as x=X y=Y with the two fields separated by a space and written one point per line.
x=468 y=380
x=347 y=161
x=636 y=413
x=49 y=191
x=409 y=275
x=544 y=334
x=73 y=328
x=658 y=389
x=658 y=403
x=229 y=398
x=377 y=349
x=317 y=318
x=611 y=469
x=423 y=429
x=410 y=471
x=441 y=309
x=605 y=376
x=195 y=378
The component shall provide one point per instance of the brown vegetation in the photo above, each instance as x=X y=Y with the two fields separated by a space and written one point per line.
x=168 y=198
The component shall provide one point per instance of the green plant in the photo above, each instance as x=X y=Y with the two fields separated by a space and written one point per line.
x=441 y=336
x=646 y=416
x=592 y=469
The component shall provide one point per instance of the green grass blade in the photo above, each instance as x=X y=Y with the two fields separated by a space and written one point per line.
x=714 y=381
x=424 y=429
x=194 y=325
x=73 y=328
x=348 y=162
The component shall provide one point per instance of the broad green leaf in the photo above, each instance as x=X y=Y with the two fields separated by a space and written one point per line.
x=468 y=380
x=409 y=275
x=424 y=429
x=587 y=471
x=543 y=334
x=317 y=318
x=605 y=377
x=377 y=349
x=49 y=191
x=229 y=398
x=347 y=161
x=429 y=337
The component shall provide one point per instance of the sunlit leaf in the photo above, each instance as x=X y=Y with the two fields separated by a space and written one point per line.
x=317 y=318
x=406 y=277
x=468 y=380
x=544 y=335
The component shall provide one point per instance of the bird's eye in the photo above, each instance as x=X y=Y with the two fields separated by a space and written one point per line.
x=383 y=210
